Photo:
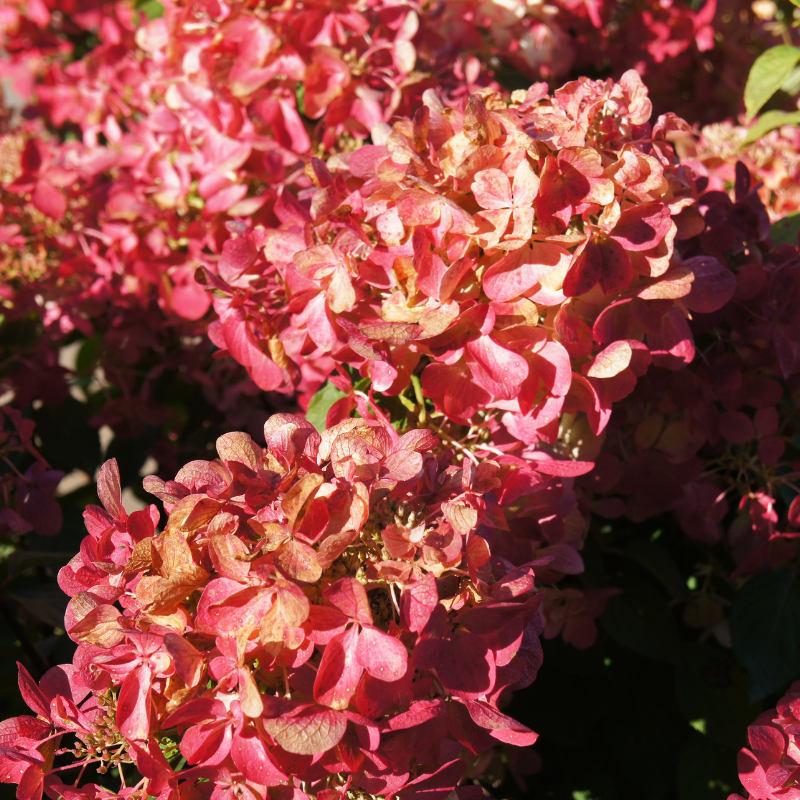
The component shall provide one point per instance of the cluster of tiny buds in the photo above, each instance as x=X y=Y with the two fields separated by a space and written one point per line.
x=105 y=744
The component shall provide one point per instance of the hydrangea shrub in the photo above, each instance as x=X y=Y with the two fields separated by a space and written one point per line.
x=534 y=353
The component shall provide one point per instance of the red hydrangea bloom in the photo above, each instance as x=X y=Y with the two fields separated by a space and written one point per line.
x=327 y=606
x=520 y=254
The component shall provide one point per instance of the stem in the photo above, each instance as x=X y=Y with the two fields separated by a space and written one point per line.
x=394 y=600
x=287 y=692
x=80 y=774
x=27 y=480
x=489 y=449
x=83 y=764
x=417 y=384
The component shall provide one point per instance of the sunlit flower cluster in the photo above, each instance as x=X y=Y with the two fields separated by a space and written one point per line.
x=324 y=614
x=519 y=254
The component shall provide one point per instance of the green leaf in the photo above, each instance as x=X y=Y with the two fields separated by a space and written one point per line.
x=767 y=75
x=785 y=230
x=765 y=628
x=321 y=403
x=152 y=9
x=791 y=85
x=769 y=121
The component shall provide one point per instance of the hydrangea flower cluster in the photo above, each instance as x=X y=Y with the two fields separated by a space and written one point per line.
x=322 y=615
x=520 y=254
x=66 y=279
x=203 y=115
